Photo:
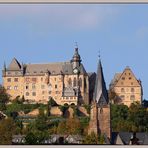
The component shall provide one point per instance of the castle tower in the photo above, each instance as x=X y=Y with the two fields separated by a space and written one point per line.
x=76 y=60
x=100 y=110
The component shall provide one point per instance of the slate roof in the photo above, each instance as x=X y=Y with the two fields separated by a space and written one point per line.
x=14 y=65
x=53 y=68
x=126 y=137
x=100 y=92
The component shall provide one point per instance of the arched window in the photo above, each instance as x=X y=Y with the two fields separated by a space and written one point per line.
x=50 y=87
x=70 y=82
x=132 y=90
x=80 y=82
x=85 y=85
x=122 y=90
x=74 y=82
x=122 y=97
x=132 y=97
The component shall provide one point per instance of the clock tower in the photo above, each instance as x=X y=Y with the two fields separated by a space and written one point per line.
x=76 y=61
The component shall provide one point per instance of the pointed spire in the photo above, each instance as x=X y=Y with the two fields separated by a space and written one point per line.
x=76 y=60
x=100 y=93
x=4 y=66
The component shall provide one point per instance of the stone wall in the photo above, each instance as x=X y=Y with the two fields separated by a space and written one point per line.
x=55 y=111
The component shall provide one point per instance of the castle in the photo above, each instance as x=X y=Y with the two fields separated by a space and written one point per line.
x=65 y=82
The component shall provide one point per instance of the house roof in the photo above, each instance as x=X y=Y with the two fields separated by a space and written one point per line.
x=126 y=137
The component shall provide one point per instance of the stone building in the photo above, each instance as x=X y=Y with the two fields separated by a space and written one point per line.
x=100 y=122
x=127 y=87
x=65 y=82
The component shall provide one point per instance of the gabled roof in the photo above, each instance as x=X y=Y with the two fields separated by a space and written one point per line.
x=100 y=93
x=125 y=74
x=53 y=68
x=14 y=65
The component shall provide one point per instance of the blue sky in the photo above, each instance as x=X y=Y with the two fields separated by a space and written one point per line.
x=35 y=33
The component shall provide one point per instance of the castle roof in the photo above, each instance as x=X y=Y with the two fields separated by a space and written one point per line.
x=53 y=68
x=14 y=65
x=100 y=93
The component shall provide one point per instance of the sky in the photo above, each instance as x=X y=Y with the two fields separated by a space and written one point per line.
x=44 y=33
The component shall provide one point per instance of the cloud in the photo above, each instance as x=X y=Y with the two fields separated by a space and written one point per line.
x=77 y=17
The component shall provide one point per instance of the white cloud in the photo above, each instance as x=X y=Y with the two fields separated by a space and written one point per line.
x=64 y=16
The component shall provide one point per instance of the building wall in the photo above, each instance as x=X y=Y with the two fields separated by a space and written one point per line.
x=104 y=121
x=40 y=87
x=128 y=88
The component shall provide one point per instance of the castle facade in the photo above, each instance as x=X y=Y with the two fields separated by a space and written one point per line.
x=65 y=82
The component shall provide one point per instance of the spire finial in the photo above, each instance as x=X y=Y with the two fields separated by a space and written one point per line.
x=99 y=55
x=76 y=44
x=4 y=65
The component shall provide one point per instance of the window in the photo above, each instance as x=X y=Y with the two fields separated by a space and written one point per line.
x=131 y=83
x=122 y=97
x=74 y=82
x=9 y=80
x=130 y=78
x=57 y=92
x=56 y=86
x=27 y=93
x=15 y=87
x=129 y=74
x=122 y=83
x=42 y=86
x=33 y=86
x=15 y=79
x=122 y=90
x=49 y=92
x=43 y=92
x=123 y=78
x=50 y=87
x=9 y=73
x=27 y=86
x=16 y=73
x=70 y=82
x=85 y=85
x=132 y=97
x=41 y=79
x=80 y=82
x=132 y=90
x=34 y=79
x=34 y=94
x=55 y=79
x=9 y=87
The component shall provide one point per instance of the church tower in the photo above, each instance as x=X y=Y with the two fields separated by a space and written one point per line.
x=100 y=109
x=76 y=60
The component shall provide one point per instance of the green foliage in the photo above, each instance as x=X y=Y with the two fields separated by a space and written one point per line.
x=4 y=98
x=91 y=139
x=7 y=129
x=70 y=126
x=52 y=102
x=132 y=119
x=88 y=108
x=63 y=109
x=17 y=107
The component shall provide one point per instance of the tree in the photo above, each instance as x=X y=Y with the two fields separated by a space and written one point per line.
x=91 y=139
x=4 y=98
x=114 y=98
x=7 y=129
